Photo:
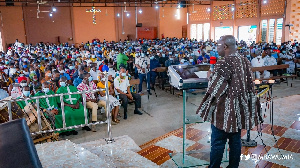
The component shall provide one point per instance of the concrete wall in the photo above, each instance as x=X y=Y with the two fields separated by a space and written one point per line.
x=85 y=30
x=169 y=25
x=75 y=25
x=12 y=25
x=46 y=28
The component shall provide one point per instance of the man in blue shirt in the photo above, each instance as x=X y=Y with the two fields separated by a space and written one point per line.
x=3 y=93
x=63 y=73
x=78 y=80
x=204 y=58
x=105 y=67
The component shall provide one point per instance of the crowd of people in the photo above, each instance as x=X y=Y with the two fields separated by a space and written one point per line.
x=46 y=69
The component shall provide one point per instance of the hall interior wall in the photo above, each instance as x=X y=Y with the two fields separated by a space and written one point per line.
x=74 y=24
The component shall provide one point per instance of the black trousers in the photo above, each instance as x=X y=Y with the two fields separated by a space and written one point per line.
x=218 y=141
x=124 y=100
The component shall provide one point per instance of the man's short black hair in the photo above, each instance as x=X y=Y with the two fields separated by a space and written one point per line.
x=55 y=71
x=267 y=48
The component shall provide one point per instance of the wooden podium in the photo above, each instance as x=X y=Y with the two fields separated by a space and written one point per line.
x=147 y=32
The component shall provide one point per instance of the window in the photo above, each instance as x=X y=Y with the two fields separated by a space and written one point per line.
x=221 y=31
x=206 y=31
x=247 y=33
x=279 y=31
x=193 y=31
x=200 y=31
x=271 y=30
x=264 y=24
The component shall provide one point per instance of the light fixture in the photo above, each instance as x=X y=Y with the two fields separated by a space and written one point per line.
x=140 y=11
x=178 y=6
x=187 y=18
x=127 y=14
x=53 y=9
x=177 y=15
x=208 y=9
x=194 y=9
x=156 y=6
x=50 y=14
x=118 y=14
x=232 y=9
x=265 y=2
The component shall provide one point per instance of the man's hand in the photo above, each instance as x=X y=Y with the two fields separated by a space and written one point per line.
x=76 y=106
x=208 y=74
x=155 y=69
x=54 y=111
x=129 y=95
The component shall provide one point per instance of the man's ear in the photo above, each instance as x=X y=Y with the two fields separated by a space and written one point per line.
x=225 y=46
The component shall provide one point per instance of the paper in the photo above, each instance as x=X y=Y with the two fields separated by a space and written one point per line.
x=201 y=74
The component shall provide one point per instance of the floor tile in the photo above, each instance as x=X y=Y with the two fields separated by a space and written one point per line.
x=296 y=125
x=156 y=154
x=290 y=159
x=174 y=143
x=265 y=138
x=292 y=133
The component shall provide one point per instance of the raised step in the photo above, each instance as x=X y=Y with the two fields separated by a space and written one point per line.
x=68 y=154
x=121 y=153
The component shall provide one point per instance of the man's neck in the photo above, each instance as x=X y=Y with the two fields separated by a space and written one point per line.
x=230 y=53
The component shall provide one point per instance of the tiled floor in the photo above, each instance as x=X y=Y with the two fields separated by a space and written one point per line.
x=94 y=154
x=283 y=139
x=156 y=123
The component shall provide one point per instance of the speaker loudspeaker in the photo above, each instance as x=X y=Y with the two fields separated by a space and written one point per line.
x=9 y=2
x=183 y=4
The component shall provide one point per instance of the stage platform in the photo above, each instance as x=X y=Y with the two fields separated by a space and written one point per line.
x=124 y=152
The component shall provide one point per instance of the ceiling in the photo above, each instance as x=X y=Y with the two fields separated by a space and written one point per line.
x=103 y=3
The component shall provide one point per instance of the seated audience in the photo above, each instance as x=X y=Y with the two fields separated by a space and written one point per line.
x=92 y=103
x=122 y=87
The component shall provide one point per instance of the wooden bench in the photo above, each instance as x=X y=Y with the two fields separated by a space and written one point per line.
x=273 y=67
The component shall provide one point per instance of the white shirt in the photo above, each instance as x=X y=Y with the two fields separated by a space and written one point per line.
x=137 y=60
x=269 y=60
x=121 y=84
x=9 y=52
x=143 y=62
x=11 y=71
x=94 y=74
x=99 y=63
x=257 y=62
x=88 y=61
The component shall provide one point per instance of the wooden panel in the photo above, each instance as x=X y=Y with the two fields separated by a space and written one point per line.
x=272 y=67
x=147 y=32
x=184 y=31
